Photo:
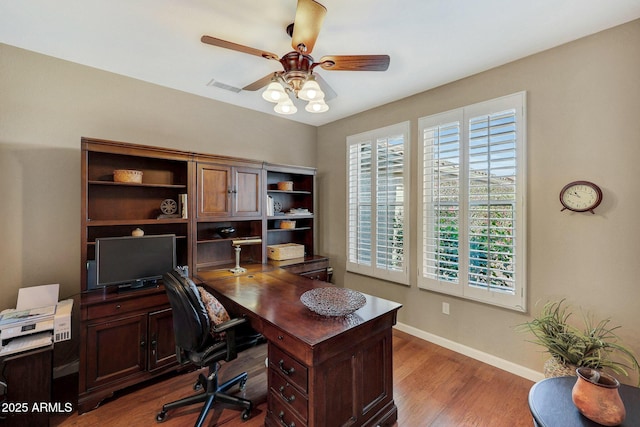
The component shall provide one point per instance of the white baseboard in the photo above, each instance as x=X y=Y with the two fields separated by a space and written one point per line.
x=489 y=359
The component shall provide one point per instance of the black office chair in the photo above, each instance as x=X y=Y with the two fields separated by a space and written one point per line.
x=196 y=344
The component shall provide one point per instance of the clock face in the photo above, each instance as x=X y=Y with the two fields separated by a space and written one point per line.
x=580 y=196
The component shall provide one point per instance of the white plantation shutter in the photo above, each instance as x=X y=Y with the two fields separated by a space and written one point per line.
x=441 y=200
x=472 y=209
x=359 y=205
x=377 y=201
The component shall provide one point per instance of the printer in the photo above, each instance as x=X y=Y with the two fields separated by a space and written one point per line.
x=38 y=320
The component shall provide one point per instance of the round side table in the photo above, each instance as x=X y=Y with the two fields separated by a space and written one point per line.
x=551 y=405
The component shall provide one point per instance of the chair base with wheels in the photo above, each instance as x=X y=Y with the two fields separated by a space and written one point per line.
x=213 y=392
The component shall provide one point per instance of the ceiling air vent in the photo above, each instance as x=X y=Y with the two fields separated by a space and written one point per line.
x=224 y=86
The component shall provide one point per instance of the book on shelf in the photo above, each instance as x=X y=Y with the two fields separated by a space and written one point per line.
x=270 y=206
x=183 y=205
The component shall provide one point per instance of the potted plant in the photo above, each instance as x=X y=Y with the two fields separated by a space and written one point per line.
x=594 y=346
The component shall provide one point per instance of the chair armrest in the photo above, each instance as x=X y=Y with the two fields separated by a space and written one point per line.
x=224 y=326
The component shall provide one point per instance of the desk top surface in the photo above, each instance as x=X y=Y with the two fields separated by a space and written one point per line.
x=273 y=295
x=551 y=405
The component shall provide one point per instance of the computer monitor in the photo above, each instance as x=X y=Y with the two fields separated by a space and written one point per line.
x=134 y=262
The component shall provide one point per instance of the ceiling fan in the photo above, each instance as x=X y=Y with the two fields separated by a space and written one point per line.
x=297 y=76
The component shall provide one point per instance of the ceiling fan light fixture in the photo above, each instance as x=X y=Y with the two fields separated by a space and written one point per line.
x=310 y=90
x=285 y=107
x=318 y=106
x=274 y=93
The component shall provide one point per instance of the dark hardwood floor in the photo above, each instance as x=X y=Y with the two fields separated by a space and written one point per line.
x=433 y=386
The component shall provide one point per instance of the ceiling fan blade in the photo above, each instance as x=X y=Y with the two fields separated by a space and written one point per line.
x=329 y=93
x=238 y=47
x=307 y=24
x=258 y=84
x=355 y=62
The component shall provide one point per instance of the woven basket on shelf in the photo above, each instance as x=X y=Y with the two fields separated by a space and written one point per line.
x=554 y=368
x=127 y=175
x=285 y=185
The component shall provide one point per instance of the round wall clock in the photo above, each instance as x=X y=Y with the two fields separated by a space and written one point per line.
x=580 y=196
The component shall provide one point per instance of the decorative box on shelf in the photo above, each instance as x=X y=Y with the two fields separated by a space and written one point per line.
x=285 y=251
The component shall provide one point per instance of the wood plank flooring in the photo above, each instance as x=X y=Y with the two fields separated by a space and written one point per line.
x=433 y=386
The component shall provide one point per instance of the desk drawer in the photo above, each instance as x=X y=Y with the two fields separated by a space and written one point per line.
x=307 y=266
x=281 y=413
x=316 y=274
x=289 y=343
x=294 y=371
x=119 y=307
x=289 y=394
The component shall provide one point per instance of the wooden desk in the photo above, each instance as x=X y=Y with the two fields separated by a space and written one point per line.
x=551 y=405
x=322 y=371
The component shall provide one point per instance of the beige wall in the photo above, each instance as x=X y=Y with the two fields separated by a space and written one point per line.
x=583 y=123
x=47 y=104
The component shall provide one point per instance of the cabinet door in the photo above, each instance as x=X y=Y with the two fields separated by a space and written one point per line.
x=162 y=349
x=116 y=349
x=246 y=190
x=214 y=190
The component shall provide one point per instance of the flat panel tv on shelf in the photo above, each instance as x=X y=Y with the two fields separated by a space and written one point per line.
x=134 y=262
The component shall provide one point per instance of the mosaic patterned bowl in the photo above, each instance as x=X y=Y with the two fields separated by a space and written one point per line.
x=333 y=301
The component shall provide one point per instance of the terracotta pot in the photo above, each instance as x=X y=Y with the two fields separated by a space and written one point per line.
x=596 y=396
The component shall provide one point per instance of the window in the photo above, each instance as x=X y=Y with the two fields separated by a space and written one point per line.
x=377 y=206
x=472 y=214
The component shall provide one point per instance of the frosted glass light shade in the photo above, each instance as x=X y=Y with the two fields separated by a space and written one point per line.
x=317 y=106
x=285 y=107
x=310 y=90
x=274 y=93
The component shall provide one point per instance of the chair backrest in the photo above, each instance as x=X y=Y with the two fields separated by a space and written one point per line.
x=190 y=319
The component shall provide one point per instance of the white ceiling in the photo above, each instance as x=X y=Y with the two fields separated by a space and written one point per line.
x=430 y=42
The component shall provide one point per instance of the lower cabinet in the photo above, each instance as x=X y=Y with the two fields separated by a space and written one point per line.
x=125 y=340
x=353 y=387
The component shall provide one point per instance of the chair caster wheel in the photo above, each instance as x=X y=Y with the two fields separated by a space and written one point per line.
x=246 y=414
x=161 y=417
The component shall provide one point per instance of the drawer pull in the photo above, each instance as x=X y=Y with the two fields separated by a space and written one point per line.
x=118 y=307
x=281 y=416
x=287 y=399
x=285 y=371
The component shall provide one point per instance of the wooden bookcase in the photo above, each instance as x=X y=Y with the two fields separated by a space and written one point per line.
x=301 y=196
x=127 y=337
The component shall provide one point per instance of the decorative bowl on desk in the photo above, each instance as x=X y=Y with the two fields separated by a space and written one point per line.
x=332 y=301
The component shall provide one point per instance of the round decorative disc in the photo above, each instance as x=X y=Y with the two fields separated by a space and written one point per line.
x=168 y=206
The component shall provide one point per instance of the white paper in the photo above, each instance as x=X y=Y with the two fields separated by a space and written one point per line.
x=37 y=296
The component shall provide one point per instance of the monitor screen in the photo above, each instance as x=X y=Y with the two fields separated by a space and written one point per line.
x=132 y=261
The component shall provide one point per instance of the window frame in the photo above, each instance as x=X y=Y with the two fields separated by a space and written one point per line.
x=518 y=299
x=371 y=137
